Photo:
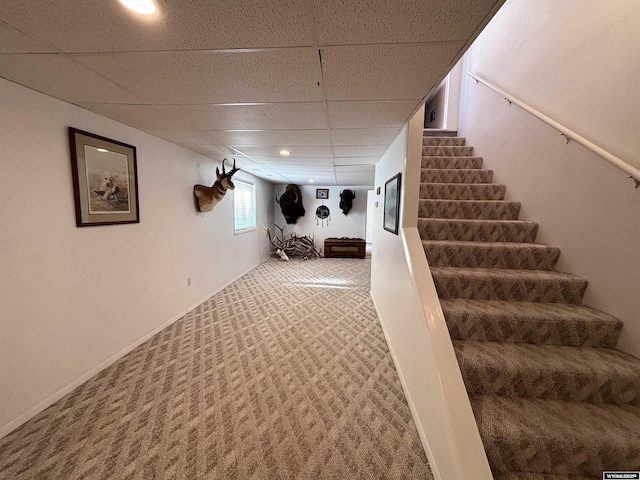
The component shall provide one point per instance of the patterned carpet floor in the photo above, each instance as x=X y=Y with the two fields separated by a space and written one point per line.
x=284 y=374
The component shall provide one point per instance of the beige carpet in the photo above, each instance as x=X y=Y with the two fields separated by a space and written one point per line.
x=284 y=374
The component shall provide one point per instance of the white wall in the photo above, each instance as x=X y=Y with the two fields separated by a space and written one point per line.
x=72 y=298
x=409 y=310
x=352 y=225
x=579 y=62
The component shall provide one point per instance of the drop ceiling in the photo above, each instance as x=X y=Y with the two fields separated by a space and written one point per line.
x=332 y=81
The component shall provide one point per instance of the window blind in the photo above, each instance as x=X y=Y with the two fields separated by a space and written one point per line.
x=244 y=199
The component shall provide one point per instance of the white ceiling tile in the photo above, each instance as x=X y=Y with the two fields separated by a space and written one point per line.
x=266 y=174
x=100 y=26
x=196 y=137
x=318 y=178
x=13 y=41
x=302 y=169
x=280 y=138
x=169 y=78
x=370 y=114
x=348 y=22
x=139 y=116
x=297 y=152
x=356 y=161
x=355 y=168
x=293 y=161
x=284 y=116
x=214 y=151
x=359 y=151
x=363 y=136
x=61 y=77
x=385 y=72
x=304 y=180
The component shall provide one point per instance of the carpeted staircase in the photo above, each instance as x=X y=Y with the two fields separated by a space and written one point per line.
x=552 y=397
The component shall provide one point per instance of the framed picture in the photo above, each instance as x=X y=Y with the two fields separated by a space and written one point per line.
x=105 y=180
x=392 y=203
x=322 y=193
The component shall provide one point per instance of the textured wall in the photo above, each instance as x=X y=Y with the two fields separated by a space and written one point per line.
x=72 y=298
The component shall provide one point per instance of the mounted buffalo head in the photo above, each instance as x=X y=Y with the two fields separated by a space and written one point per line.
x=346 y=200
x=208 y=197
x=291 y=203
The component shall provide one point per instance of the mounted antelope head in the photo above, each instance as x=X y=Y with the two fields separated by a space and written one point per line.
x=208 y=197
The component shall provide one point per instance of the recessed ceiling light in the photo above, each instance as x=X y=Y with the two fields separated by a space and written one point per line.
x=311 y=180
x=284 y=152
x=102 y=149
x=145 y=7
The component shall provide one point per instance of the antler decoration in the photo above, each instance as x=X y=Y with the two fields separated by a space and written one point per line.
x=291 y=245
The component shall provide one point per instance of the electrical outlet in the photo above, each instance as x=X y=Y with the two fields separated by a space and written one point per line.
x=188 y=281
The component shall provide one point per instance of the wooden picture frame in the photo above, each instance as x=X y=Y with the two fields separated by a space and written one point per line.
x=105 y=180
x=322 y=193
x=392 y=203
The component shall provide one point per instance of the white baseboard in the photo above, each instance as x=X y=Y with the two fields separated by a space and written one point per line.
x=11 y=426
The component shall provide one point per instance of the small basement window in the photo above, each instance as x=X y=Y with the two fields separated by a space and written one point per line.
x=244 y=206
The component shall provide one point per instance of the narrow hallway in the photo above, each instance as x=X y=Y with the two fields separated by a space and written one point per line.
x=283 y=374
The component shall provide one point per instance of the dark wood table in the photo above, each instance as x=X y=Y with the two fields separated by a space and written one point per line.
x=344 y=247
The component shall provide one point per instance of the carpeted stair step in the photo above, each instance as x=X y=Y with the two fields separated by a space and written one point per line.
x=596 y=375
x=471 y=209
x=434 y=132
x=526 y=322
x=557 y=437
x=451 y=162
x=519 y=231
x=443 y=141
x=455 y=175
x=530 y=256
x=508 y=285
x=448 y=151
x=462 y=191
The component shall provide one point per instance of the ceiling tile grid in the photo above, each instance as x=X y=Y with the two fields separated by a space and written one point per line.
x=332 y=81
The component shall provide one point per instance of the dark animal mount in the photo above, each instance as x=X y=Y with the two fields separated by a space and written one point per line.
x=346 y=200
x=291 y=203
x=208 y=197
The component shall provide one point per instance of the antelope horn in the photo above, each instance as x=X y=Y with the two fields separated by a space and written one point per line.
x=234 y=169
x=223 y=172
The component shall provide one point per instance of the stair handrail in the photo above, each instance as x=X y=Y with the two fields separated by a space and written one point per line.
x=566 y=132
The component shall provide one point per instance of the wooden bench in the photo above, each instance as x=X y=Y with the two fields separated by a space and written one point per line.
x=344 y=247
